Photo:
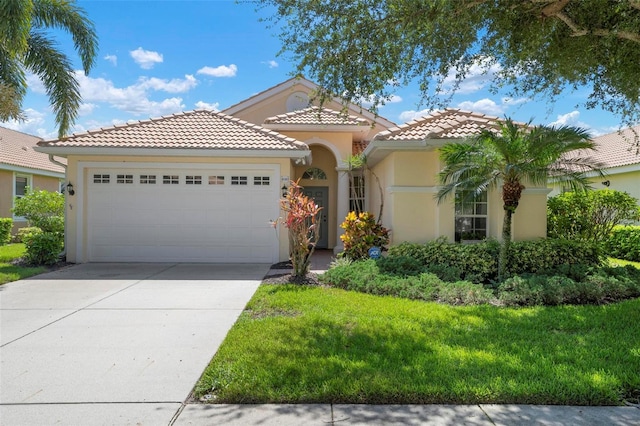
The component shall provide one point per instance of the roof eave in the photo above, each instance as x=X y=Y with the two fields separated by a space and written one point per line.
x=378 y=149
x=177 y=152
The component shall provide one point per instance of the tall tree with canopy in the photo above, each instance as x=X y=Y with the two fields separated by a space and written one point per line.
x=508 y=158
x=359 y=48
x=27 y=46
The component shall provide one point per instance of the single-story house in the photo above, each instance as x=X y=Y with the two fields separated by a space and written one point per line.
x=619 y=153
x=204 y=186
x=21 y=167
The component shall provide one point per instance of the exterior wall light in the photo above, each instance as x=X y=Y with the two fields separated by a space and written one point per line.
x=69 y=188
x=285 y=190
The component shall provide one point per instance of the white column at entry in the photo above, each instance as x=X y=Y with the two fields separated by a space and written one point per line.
x=342 y=205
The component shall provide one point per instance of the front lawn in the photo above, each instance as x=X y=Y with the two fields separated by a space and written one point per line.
x=10 y=272
x=303 y=344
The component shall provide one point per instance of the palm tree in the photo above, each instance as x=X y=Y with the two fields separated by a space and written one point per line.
x=26 y=46
x=513 y=155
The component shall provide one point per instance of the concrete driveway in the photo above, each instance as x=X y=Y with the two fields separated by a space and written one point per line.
x=114 y=343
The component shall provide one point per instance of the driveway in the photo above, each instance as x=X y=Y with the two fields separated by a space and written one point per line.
x=114 y=343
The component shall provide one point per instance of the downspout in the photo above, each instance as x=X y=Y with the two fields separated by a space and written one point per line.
x=64 y=166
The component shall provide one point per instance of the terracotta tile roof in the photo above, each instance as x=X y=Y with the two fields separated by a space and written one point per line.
x=199 y=129
x=618 y=148
x=357 y=147
x=317 y=116
x=16 y=149
x=448 y=124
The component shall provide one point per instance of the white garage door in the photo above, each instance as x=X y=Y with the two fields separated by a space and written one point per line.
x=182 y=215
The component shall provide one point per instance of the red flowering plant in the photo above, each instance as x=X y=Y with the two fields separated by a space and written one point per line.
x=301 y=218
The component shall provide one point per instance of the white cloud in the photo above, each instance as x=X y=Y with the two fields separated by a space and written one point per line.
x=406 y=116
x=271 y=64
x=35 y=84
x=33 y=124
x=174 y=85
x=146 y=58
x=478 y=76
x=568 y=119
x=484 y=106
x=133 y=99
x=220 y=71
x=211 y=107
x=86 y=109
x=113 y=59
x=514 y=101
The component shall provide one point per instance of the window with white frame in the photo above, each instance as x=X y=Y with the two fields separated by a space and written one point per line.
x=20 y=184
x=356 y=192
x=471 y=216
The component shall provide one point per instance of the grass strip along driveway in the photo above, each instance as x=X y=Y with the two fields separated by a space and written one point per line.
x=298 y=344
x=10 y=272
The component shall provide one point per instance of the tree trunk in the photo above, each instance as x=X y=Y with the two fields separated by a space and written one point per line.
x=506 y=242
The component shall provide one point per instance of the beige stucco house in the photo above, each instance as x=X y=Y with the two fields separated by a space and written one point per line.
x=22 y=167
x=619 y=154
x=202 y=186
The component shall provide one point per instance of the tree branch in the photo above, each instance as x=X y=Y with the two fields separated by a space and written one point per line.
x=580 y=32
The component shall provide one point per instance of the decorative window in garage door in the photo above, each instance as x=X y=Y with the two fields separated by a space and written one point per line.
x=193 y=180
x=238 y=180
x=216 y=180
x=261 y=180
x=100 y=178
x=124 y=179
x=170 y=179
x=148 y=179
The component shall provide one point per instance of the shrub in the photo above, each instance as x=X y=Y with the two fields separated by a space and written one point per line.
x=43 y=248
x=23 y=232
x=590 y=215
x=400 y=265
x=301 y=219
x=471 y=262
x=361 y=232
x=5 y=230
x=42 y=209
x=519 y=291
x=624 y=243
x=465 y=293
x=548 y=253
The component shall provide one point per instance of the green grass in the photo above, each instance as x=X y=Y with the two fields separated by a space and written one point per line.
x=298 y=344
x=9 y=272
x=621 y=262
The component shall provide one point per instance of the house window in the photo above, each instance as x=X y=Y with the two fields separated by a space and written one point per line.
x=471 y=216
x=148 y=179
x=22 y=182
x=101 y=178
x=170 y=179
x=261 y=180
x=193 y=180
x=124 y=179
x=216 y=180
x=314 y=173
x=238 y=180
x=356 y=193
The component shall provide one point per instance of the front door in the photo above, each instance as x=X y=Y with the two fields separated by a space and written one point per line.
x=320 y=194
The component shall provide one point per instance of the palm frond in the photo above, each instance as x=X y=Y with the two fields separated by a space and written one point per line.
x=72 y=19
x=56 y=72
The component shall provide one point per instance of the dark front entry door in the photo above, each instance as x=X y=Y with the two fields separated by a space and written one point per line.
x=320 y=195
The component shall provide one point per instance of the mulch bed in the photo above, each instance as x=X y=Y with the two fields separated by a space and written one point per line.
x=281 y=277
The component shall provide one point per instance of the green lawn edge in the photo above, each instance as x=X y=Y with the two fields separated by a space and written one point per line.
x=10 y=272
x=296 y=344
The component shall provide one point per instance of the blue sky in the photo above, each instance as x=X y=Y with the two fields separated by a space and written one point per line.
x=160 y=57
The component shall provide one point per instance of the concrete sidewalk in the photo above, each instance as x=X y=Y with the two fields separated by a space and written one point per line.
x=325 y=414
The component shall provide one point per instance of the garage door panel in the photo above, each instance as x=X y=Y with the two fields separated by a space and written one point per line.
x=182 y=222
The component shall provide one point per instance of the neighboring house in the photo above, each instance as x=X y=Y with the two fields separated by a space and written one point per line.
x=202 y=186
x=620 y=154
x=22 y=167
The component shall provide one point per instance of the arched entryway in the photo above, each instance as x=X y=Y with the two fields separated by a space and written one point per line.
x=320 y=180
